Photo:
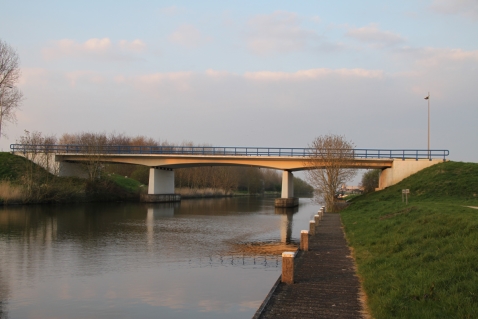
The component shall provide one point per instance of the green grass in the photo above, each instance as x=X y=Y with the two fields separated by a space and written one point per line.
x=47 y=188
x=127 y=183
x=419 y=260
x=11 y=166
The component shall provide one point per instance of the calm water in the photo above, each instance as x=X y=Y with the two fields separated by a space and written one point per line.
x=129 y=260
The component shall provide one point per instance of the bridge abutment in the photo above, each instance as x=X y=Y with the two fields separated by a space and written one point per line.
x=67 y=169
x=401 y=169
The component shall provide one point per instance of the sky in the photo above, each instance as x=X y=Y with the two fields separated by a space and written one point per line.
x=250 y=73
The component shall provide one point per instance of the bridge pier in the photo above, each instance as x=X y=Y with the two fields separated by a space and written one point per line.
x=161 y=186
x=287 y=195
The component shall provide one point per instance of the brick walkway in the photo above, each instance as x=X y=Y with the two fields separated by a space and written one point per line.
x=325 y=282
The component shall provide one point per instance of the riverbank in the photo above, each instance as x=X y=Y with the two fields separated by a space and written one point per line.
x=23 y=182
x=419 y=260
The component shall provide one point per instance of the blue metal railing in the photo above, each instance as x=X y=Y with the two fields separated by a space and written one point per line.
x=227 y=151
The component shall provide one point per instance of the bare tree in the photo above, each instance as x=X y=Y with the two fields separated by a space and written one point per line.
x=10 y=96
x=328 y=160
x=39 y=165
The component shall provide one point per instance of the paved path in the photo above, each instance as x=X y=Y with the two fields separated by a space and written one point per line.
x=325 y=282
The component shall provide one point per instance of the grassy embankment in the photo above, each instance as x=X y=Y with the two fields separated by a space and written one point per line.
x=419 y=260
x=23 y=182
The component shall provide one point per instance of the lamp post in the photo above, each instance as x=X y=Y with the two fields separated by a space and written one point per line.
x=428 y=98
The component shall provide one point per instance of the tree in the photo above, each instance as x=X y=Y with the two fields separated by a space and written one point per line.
x=40 y=164
x=328 y=160
x=370 y=180
x=10 y=96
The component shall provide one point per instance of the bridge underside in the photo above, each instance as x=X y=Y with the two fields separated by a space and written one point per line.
x=162 y=167
x=290 y=164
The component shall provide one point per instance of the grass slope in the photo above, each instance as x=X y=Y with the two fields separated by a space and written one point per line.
x=64 y=189
x=127 y=183
x=419 y=260
x=11 y=166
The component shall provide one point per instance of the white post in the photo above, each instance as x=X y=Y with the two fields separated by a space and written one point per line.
x=312 y=227
x=288 y=267
x=304 y=240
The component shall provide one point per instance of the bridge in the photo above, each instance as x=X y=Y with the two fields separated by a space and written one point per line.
x=396 y=164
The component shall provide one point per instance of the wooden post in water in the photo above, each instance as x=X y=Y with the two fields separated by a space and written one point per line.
x=304 y=240
x=288 y=267
x=312 y=227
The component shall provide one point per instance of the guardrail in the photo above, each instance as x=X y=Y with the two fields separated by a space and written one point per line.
x=227 y=151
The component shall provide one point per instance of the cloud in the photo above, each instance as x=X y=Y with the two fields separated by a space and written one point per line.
x=134 y=46
x=172 y=10
x=278 y=32
x=94 y=47
x=375 y=37
x=158 y=83
x=466 y=8
x=439 y=57
x=311 y=74
x=189 y=36
x=90 y=76
x=33 y=75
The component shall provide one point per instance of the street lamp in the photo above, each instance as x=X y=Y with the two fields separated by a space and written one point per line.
x=428 y=98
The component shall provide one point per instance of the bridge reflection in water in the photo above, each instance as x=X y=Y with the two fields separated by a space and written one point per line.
x=165 y=210
x=131 y=256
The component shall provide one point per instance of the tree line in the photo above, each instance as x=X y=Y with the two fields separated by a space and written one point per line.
x=229 y=179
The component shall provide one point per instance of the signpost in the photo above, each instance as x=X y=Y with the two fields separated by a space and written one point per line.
x=405 y=193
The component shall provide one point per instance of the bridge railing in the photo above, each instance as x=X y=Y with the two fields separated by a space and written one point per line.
x=226 y=151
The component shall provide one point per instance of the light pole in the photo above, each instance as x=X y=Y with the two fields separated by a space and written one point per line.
x=428 y=98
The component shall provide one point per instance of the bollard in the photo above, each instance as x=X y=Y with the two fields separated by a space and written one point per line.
x=304 y=240
x=317 y=219
x=288 y=267
x=312 y=227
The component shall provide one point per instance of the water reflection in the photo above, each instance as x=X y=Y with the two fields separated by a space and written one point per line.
x=122 y=259
x=286 y=222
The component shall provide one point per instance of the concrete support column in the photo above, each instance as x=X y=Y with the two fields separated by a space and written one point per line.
x=287 y=184
x=161 y=181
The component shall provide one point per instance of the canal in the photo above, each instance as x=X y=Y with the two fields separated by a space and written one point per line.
x=204 y=258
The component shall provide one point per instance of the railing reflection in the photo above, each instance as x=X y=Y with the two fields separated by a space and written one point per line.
x=229 y=260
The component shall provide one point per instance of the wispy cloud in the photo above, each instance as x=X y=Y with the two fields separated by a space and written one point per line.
x=134 y=46
x=433 y=57
x=313 y=74
x=172 y=10
x=189 y=36
x=277 y=33
x=372 y=35
x=86 y=75
x=466 y=8
x=94 y=47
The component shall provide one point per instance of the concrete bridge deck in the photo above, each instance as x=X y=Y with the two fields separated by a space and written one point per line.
x=396 y=164
x=325 y=283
